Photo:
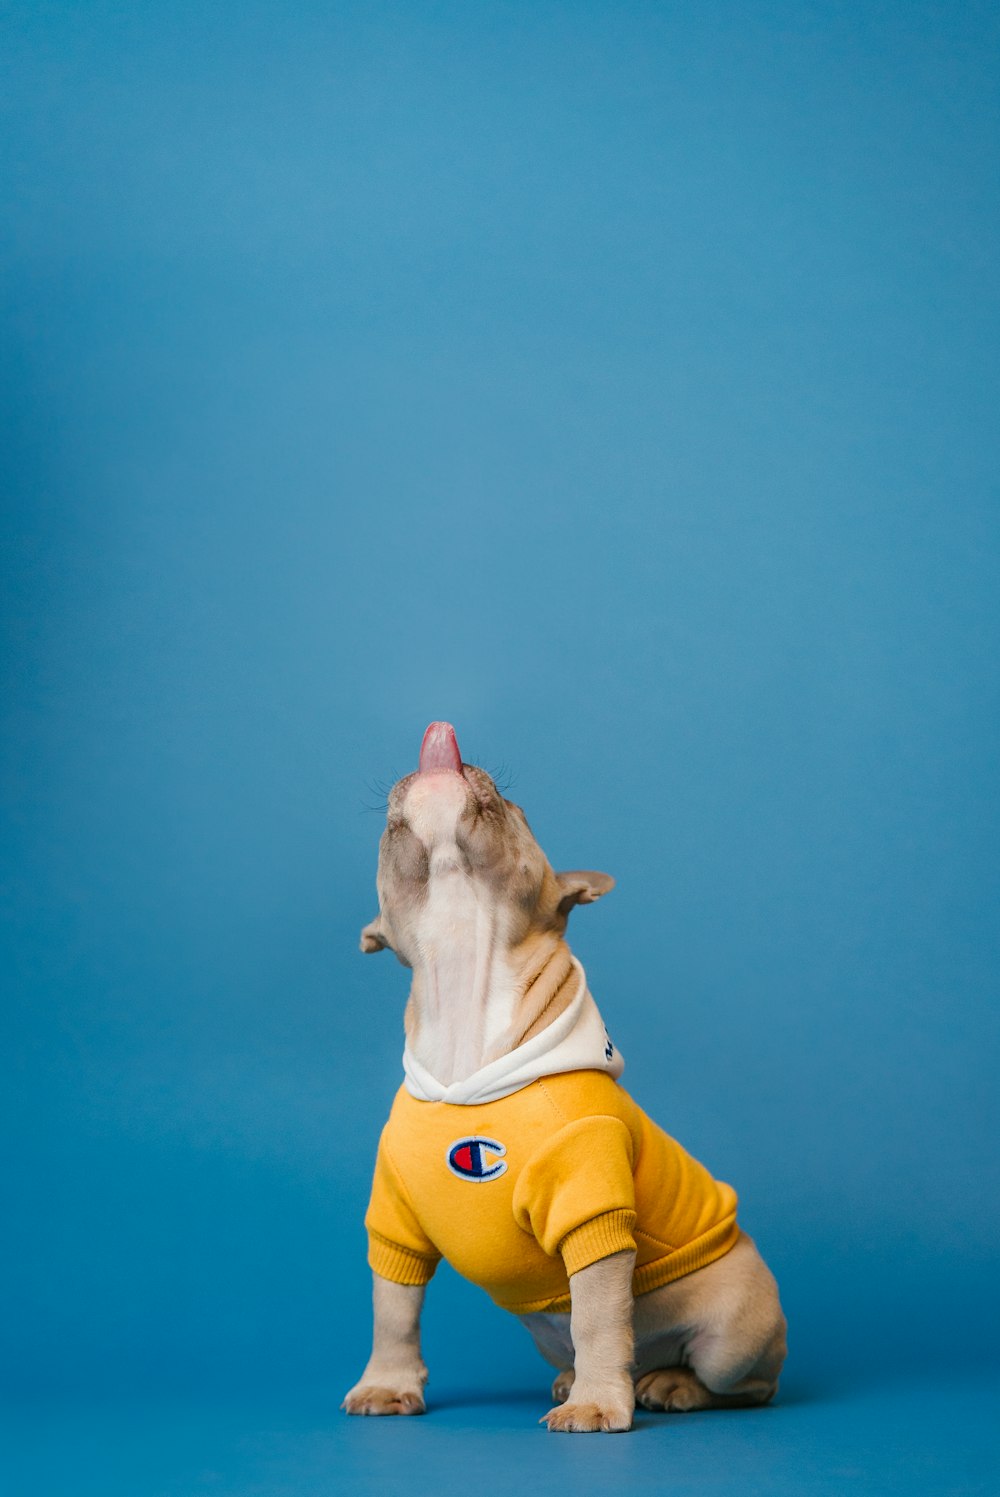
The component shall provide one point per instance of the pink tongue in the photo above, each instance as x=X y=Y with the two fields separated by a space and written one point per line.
x=439 y=749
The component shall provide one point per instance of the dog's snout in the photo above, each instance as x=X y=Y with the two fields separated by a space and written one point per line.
x=444 y=795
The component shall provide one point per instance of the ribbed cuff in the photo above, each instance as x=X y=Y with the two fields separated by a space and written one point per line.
x=401 y=1265
x=598 y=1238
x=713 y=1244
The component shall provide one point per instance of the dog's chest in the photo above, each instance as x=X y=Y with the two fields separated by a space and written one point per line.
x=461 y=1167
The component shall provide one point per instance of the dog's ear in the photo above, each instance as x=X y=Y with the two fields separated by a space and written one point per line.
x=581 y=886
x=372 y=938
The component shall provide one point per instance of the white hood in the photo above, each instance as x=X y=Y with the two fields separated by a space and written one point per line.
x=576 y=1041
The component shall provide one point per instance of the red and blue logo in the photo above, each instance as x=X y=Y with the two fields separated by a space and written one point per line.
x=477 y=1158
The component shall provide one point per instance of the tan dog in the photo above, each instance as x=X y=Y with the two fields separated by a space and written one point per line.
x=470 y=903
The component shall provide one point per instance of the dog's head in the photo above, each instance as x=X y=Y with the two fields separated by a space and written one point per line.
x=448 y=824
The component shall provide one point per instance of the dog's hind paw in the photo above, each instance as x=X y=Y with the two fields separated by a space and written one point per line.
x=674 y=1390
x=369 y=1398
x=562 y=1385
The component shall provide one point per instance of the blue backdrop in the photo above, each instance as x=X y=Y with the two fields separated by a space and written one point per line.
x=620 y=383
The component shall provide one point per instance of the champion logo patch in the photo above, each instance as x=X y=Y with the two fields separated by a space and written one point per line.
x=477 y=1158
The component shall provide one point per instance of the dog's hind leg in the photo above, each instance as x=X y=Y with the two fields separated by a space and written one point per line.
x=680 y=1390
x=718 y=1377
x=714 y=1339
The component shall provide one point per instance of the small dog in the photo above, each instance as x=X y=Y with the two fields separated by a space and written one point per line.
x=512 y=1151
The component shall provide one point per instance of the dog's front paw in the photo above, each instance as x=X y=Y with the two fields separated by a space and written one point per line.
x=370 y=1398
x=581 y=1416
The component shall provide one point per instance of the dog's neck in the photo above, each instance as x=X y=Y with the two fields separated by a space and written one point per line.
x=475 y=998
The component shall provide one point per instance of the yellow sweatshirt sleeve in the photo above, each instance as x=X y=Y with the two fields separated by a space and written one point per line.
x=576 y=1194
x=398 y=1247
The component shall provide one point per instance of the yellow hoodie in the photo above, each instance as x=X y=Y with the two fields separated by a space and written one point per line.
x=521 y=1192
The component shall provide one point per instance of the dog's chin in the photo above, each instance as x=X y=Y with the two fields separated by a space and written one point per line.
x=435 y=804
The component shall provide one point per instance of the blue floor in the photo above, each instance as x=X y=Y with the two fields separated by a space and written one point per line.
x=937 y=1435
